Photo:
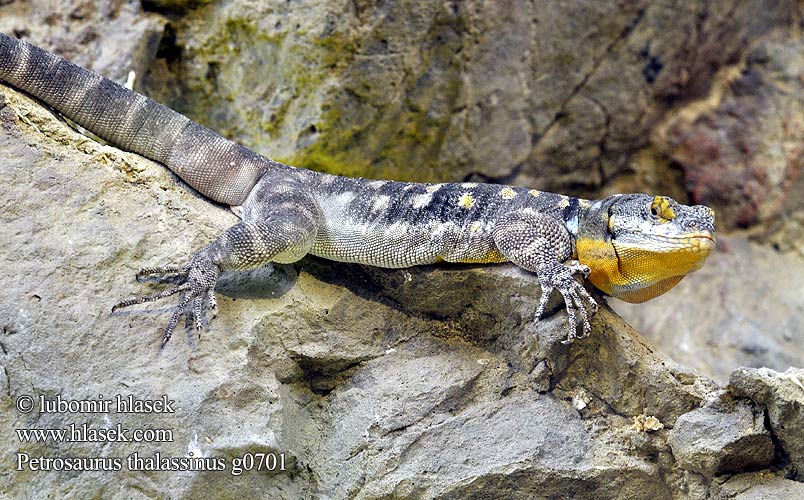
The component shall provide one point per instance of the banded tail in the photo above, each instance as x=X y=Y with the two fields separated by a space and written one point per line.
x=217 y=167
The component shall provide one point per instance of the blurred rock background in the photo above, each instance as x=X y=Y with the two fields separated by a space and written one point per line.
x=702 y=101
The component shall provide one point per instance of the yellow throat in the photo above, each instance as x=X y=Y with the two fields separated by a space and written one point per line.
x=639 y=246
x=636 y=273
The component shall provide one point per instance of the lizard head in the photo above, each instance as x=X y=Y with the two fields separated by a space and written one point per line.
x=639 y=246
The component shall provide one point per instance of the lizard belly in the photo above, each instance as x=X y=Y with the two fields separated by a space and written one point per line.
x=395 y=245
x=403 y=244
x=394 y=225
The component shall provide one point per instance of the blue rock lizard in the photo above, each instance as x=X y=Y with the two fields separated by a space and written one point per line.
x=631 y=246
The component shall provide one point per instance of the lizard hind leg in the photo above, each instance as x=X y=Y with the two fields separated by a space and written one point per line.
x=279 y=225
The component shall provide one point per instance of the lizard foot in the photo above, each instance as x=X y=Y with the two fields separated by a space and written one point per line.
x=196 y=283
x=560 y=277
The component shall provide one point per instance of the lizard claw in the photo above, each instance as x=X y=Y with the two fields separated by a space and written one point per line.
x=576 y=267
x=559 y=277
x=196 y=283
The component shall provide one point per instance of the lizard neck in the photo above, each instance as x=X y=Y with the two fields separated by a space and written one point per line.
x=594 y=247
x=642 y=266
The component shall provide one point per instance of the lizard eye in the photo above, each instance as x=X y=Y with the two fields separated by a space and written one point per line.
x=661 y=209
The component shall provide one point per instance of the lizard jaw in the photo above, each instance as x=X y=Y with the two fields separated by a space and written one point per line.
x=637 y=271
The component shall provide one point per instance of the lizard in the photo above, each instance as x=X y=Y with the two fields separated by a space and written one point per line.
x=630 y=246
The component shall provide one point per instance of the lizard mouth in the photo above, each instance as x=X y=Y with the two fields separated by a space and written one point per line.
x=703 y=234
x=696 y=241
x=701 y=241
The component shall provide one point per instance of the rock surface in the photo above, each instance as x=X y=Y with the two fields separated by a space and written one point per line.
x=428 y=382
x=743 y=308
x=721 y=438
x=371 y=383
x=111 y=37
x=740 y=147
x=782 y=397
x=758 y=486
x=560 y=96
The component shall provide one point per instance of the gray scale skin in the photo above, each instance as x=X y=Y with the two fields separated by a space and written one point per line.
x=288 y=212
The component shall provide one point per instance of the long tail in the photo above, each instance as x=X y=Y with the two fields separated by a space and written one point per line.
x=218 y=168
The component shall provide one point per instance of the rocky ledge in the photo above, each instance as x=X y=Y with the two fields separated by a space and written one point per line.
x=358 y=382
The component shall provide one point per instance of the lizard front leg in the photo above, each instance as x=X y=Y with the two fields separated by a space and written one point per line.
x=542 y=244
x=280 y=220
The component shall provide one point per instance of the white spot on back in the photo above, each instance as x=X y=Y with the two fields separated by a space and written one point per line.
x=433 y=188
x=442 y=232
x=469 y=185
x=376 y=184
x=380 y=203
x=342 y=200
x=422 y=200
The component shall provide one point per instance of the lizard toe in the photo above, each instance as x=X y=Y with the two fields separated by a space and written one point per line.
x=212 y=303
x=546 y=292
x=151 y=271
x=196 y=284
x=578 y=302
